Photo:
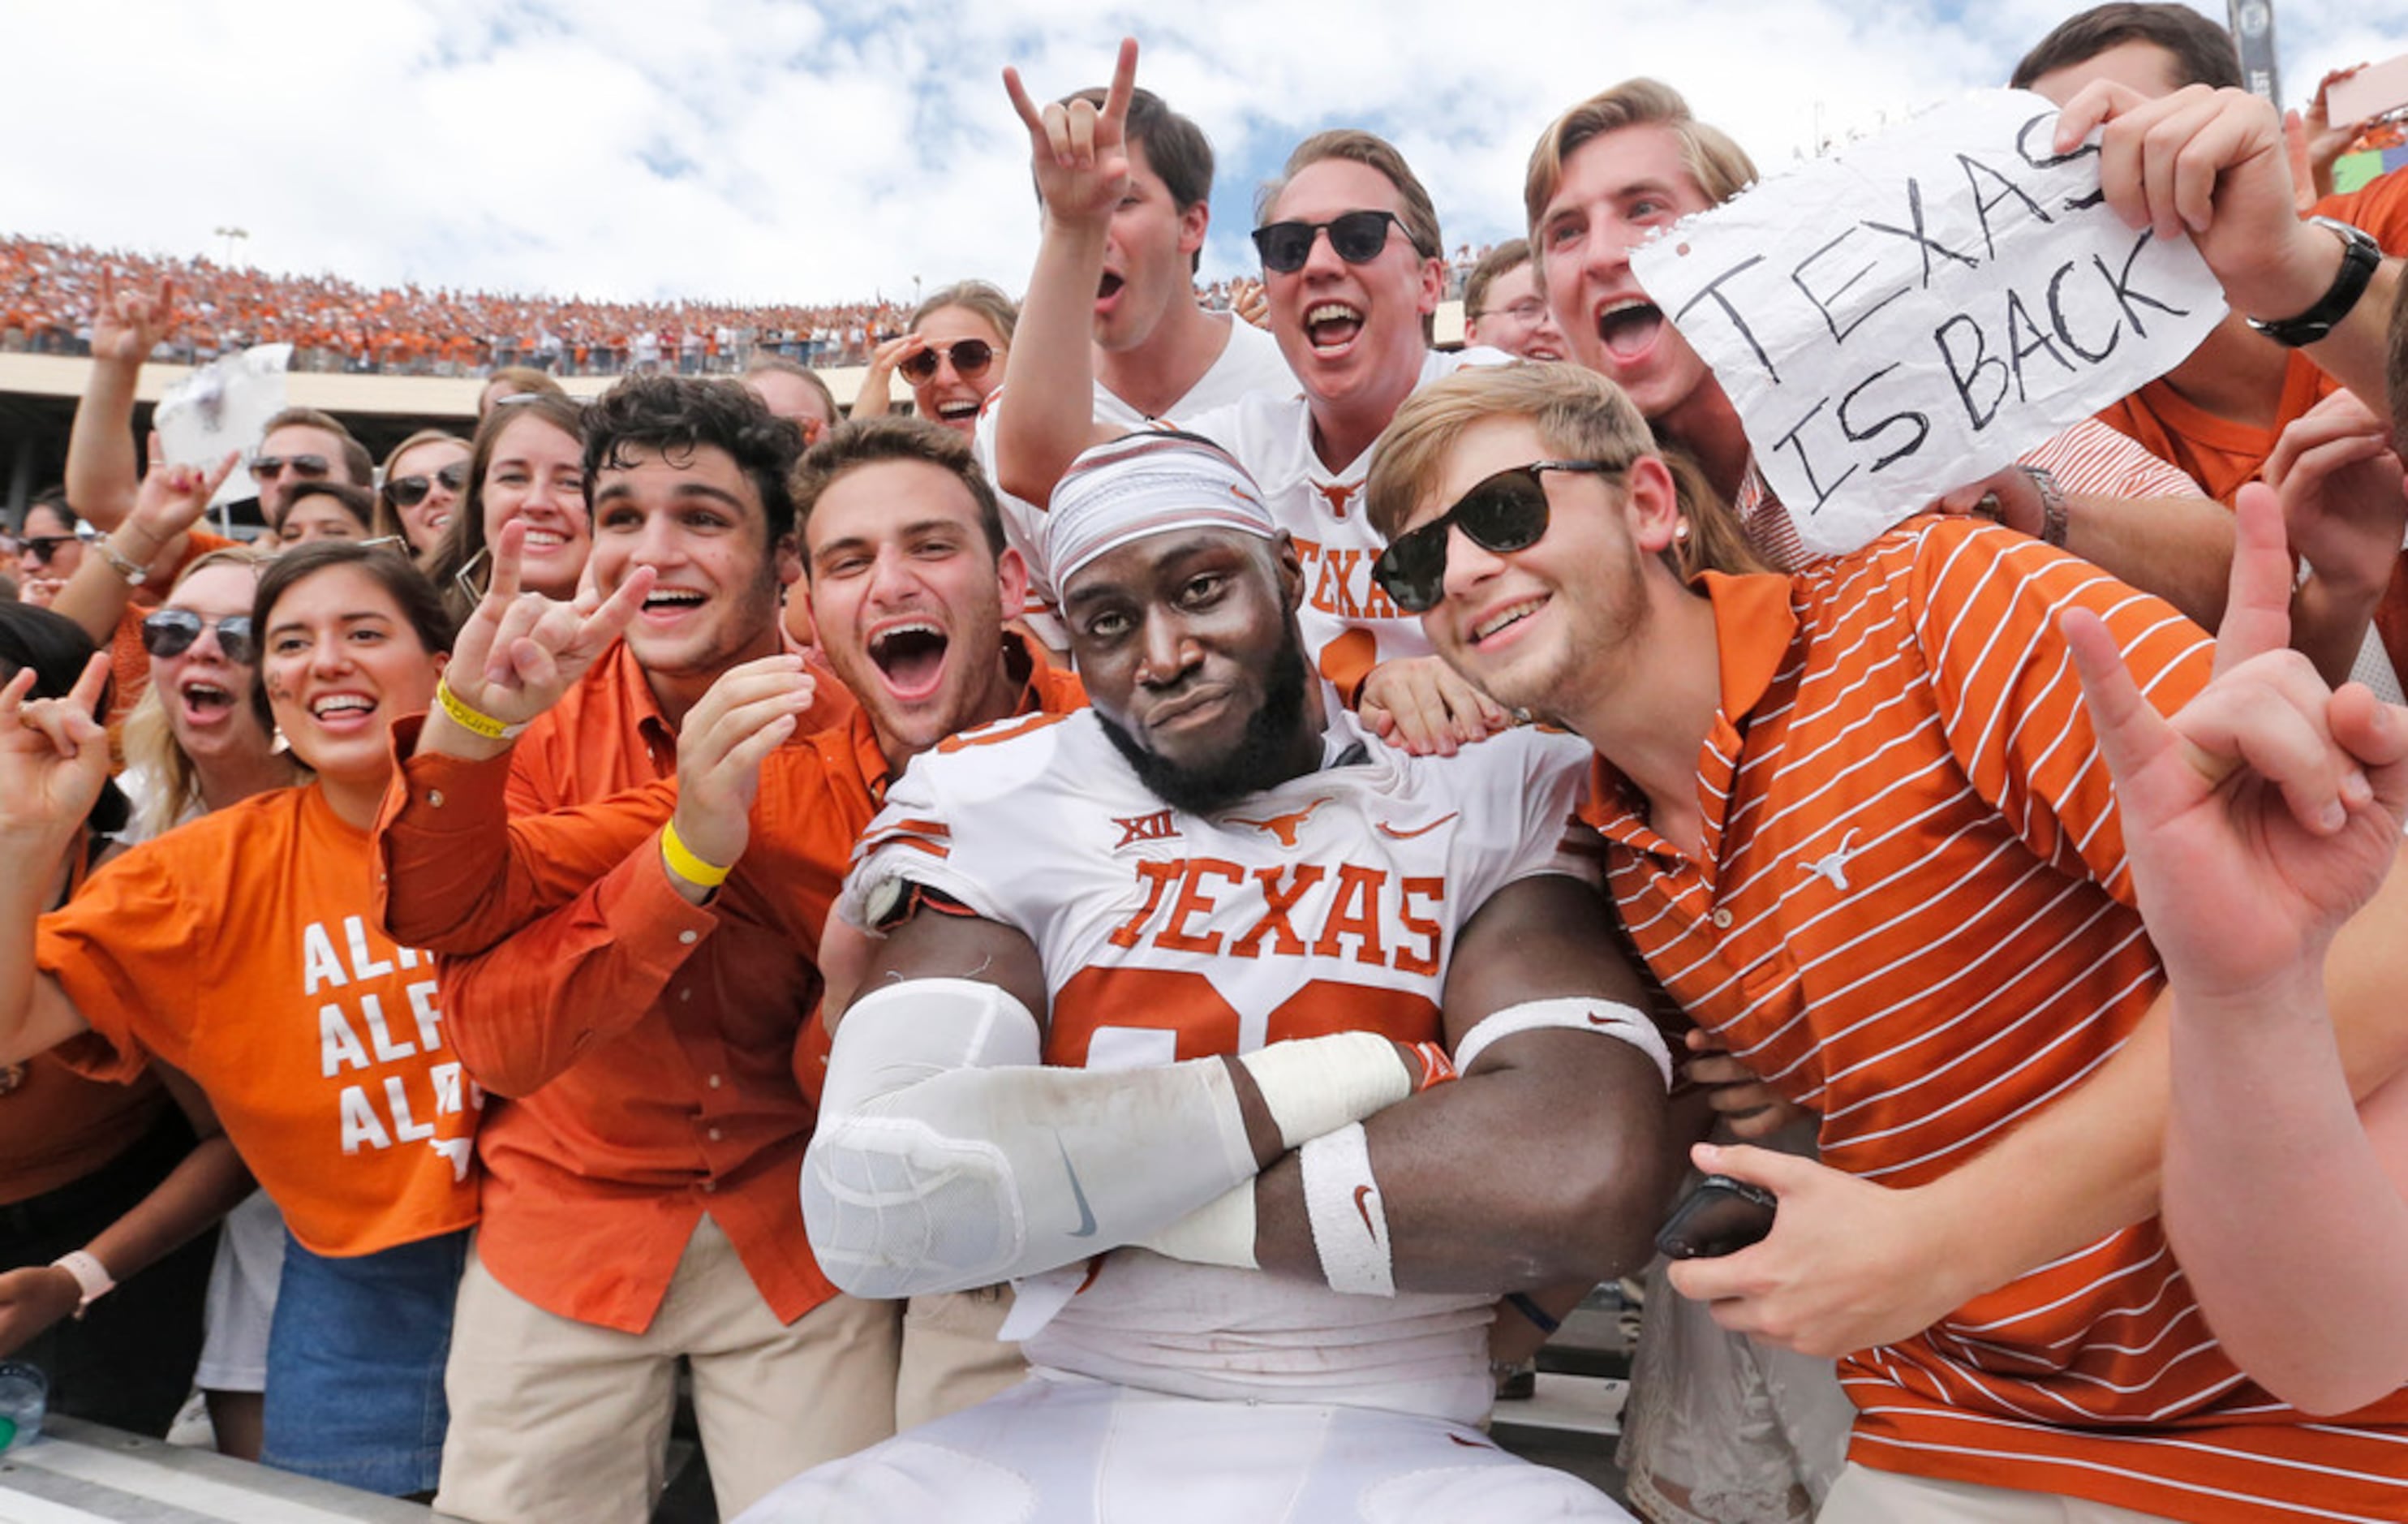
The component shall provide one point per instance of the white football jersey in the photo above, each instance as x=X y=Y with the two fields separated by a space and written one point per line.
x=1250 y=362
x=1331 y=903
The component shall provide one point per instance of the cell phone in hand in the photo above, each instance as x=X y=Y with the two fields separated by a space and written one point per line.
x=2376 y=90
x=1721 y=1217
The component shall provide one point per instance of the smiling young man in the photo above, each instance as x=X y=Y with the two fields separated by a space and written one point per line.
x=1351 y=257
x=1164 y=995
x=634 y=1213
x=587 y=939
x=1158 y=357
x=1857 y=824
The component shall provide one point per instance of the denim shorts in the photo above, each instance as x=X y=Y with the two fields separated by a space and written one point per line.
x=355 y=1364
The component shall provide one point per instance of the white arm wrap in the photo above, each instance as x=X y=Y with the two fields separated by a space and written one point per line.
x=1606 y=1018
x=1350 y=1221
x=1317 y=1084
x=948 y=1156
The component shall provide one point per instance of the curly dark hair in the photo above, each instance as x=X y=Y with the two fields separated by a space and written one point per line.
x=679 y=414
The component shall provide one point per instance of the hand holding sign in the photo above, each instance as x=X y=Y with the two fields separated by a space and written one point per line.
x=1922 y=308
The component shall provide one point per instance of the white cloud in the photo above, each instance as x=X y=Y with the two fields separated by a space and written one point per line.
x=772 y=150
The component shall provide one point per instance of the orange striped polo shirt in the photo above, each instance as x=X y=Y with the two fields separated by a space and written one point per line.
x=1914 y=915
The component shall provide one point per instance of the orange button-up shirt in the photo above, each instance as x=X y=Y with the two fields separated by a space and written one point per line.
x=649 y=1041
x=609 y=1152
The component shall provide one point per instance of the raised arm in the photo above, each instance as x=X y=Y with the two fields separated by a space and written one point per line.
x=2339 y=481
x=1080 y=158
x=526 y=1009
x=1851 y=1264
x=125 y=327
x=2262 y=816
x=455 y=873
x=54 y=760
x=2213 y=163
x=170 y=501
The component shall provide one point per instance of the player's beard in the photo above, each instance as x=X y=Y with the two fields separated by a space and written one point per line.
x=1261 y=759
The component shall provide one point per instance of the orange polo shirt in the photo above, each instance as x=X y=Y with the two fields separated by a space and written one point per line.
x=652 y=1085
x=1913 y=914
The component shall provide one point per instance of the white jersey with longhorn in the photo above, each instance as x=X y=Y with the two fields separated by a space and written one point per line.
x=1329 y=903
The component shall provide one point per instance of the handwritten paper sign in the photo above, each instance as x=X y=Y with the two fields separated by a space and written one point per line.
x=1911 y=314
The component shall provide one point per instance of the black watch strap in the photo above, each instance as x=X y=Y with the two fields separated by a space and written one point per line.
x=2361 y=256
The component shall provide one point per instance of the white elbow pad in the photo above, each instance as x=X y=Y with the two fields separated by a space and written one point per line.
x=948 y=1156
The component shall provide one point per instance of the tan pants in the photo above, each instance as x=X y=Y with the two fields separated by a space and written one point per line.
x=951 y=1358
x=553 y=1419
x=1865 y=1496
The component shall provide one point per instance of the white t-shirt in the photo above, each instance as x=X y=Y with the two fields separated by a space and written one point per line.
x=1347 y=621
x=1250 y=362
x=1331 y=902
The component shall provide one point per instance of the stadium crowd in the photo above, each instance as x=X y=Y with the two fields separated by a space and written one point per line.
x=1130 y=944
x=47 y=291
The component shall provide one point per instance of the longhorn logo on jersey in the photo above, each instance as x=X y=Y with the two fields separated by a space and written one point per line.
x=1283 y=826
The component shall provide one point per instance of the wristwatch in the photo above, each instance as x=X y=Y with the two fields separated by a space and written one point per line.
x=2053 y=519
x=2360 y=256
x=134 y=572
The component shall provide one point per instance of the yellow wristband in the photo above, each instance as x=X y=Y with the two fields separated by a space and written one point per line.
x=685 y=865
x=476 y=722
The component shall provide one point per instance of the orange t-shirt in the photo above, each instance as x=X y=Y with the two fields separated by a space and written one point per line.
x=242 y=950
x=2223 y=455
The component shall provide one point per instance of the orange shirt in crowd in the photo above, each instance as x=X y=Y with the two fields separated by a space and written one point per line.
x=242 y=949
x=648 y=1042
x=1913 y=914
x=2224 y=455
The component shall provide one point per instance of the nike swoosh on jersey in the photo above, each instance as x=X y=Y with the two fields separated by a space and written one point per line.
x=1087 y=1228
x=1394 y=835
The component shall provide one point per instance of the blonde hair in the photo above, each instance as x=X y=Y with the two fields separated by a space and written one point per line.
x=1711 y=156
x=388 y=518
x=149 y=741
x=1582 y=416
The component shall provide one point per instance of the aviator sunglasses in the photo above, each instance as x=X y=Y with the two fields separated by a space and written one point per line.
x=171 y=632
x=309 y=468
x=411 y=491
x=970 y=356
x=1356 y=235
x=1504 y=512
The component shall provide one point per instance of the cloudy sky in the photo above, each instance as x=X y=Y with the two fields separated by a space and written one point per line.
x=821 y=150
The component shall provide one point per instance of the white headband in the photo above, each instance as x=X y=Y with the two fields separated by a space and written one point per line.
x=1144 y=485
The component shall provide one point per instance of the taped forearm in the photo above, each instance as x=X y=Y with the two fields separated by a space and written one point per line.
x=948 y=1156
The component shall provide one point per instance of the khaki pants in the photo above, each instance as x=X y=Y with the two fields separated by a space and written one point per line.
x=951 y=1358
x=1865 y=1496
x=553 y=1419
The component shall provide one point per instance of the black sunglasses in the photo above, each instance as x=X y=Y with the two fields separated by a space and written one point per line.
x=171 y=632
x=1507 y=512
x=411 y=491
x=970 y=356
x=45 y=547
x=1356 y=235
x=268 y=467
